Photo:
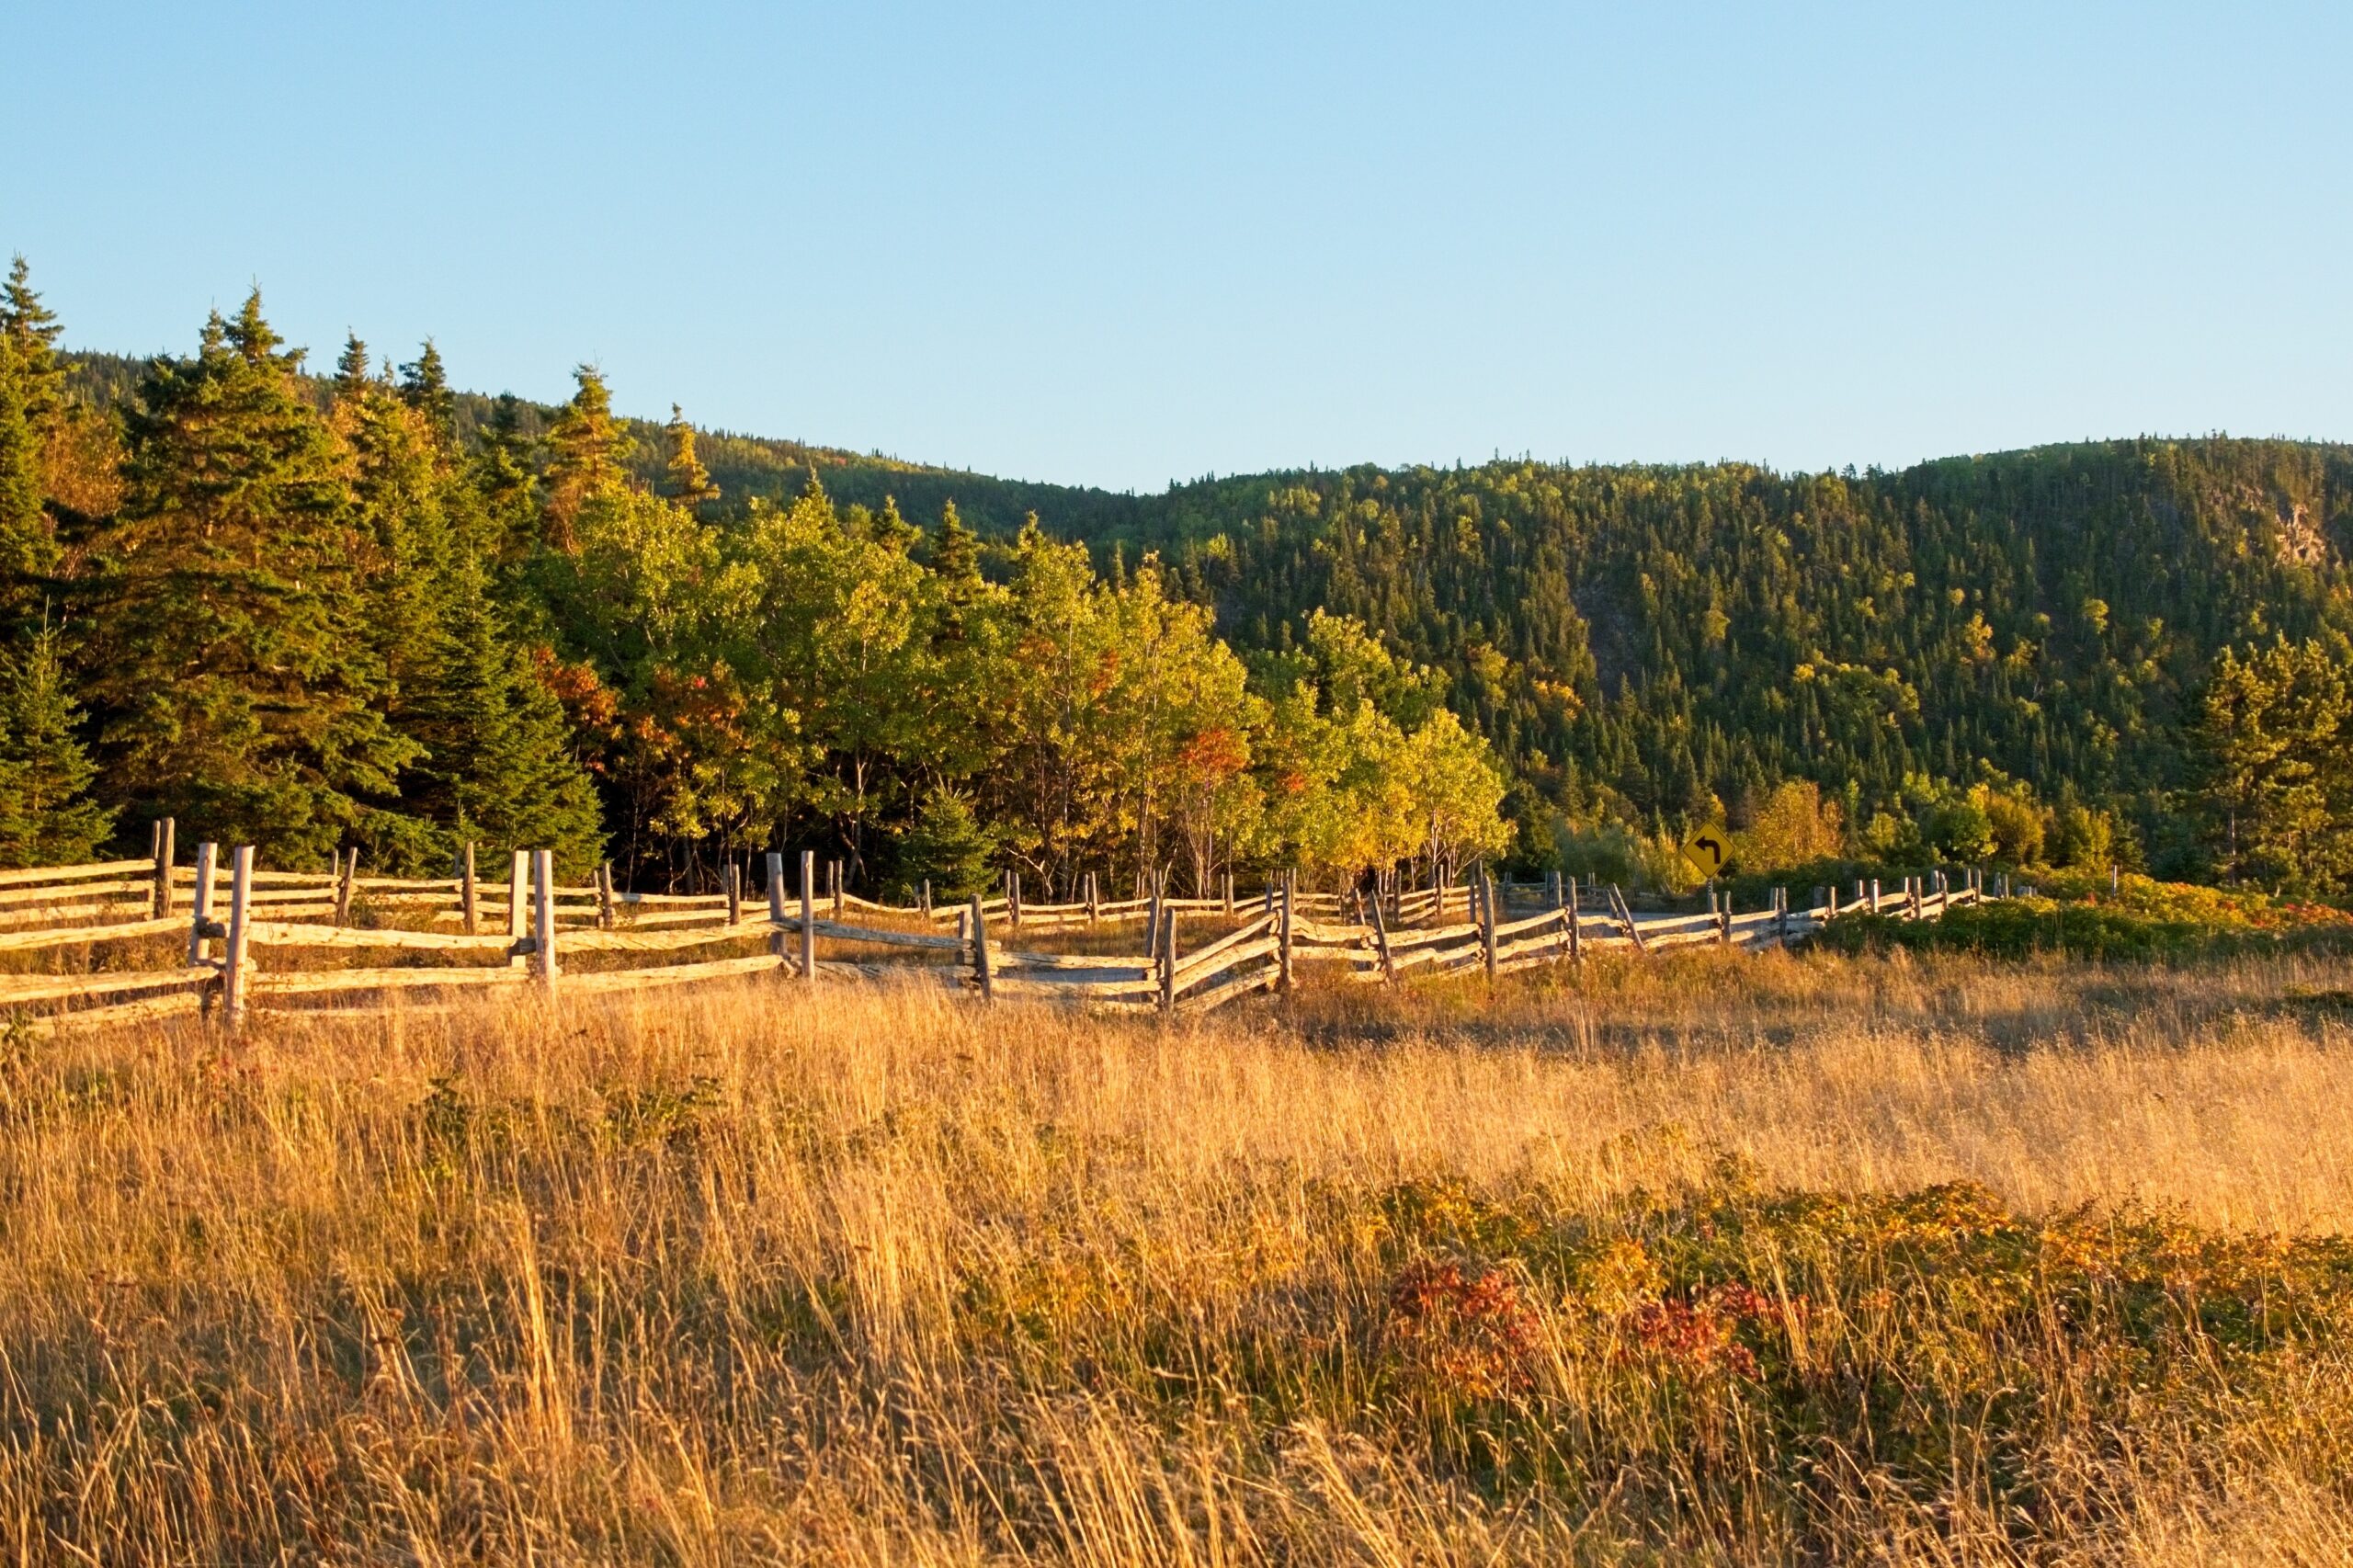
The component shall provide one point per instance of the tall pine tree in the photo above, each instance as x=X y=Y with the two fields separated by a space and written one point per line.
x=504 y=479
x=32 y=329
x=586 y=450
x=47 y=817
x=687 y=482
x=26 y=549
x=239 y=684
x=32 y=403
x=425 y=384
x=500 y=767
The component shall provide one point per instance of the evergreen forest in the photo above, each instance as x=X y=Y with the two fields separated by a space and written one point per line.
x=321 y=606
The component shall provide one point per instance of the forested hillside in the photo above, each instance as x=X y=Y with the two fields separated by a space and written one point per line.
x=354 y=605
x=1638 y=641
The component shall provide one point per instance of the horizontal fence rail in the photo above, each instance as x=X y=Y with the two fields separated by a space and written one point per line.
x=514 y=935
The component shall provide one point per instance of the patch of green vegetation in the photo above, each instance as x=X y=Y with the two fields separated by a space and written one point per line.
x=2137 y=918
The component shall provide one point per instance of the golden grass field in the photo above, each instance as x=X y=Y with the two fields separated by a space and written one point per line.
x=1718 y=1259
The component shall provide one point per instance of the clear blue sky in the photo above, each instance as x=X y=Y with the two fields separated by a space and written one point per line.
x=1117 y=244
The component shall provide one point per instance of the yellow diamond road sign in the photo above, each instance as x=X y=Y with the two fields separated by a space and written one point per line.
x=1708 y=850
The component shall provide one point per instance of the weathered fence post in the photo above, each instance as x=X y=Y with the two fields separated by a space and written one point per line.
x=1381 y=942
x=779 y=944
x=234 y=974
x=1552 y=895
x=346 y=869
x=1093 y=900
x=605 y=917
x=1781 y=915
x=1626 y=918
x=1282 y=969
x=980 y=951
x=544 y=969
x=1165 y=960
x=518 y=886
x=925 y=905
x=163 y=848
x=1570 y=912
x=809 y=916
x=1487 y=923
x=1151 y=920
x=1227 y=884
x=735 y=891
x=1724 y=919
x=1874 y=896
x=1911 y=893
x=468 y=894
x=200 y=924
x=1828 y=898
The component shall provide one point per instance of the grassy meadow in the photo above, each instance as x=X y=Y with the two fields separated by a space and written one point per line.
x=1897 y=1258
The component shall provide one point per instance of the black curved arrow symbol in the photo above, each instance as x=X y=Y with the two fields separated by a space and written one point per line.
x=1713 y=846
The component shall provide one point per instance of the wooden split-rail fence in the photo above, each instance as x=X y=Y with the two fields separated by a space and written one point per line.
x=448 y=937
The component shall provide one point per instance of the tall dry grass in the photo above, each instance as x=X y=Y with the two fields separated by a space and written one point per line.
x=1717 y=1260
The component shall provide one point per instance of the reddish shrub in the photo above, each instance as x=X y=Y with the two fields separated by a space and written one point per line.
x=1469 y=1332
x=1697 y=1337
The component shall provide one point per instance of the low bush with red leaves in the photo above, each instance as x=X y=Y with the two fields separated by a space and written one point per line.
x=1463 y=1331
x=1699 y=1336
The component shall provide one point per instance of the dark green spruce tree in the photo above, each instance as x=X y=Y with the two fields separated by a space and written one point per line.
x=425 y=386
x=239 y=682
x=28 y=552
x=504 y=474
x=47 y=817
x=409 y=556
x=499 y=764
x=32 y=329
x=31 y=402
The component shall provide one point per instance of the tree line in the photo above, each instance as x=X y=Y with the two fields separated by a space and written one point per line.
x=346 y=611
x=364 y=608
